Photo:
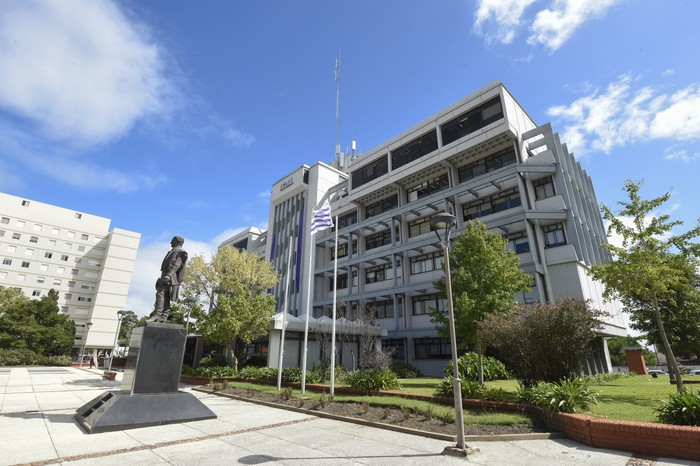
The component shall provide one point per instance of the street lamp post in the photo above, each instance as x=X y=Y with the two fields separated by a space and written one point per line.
x=120 y=315
x=445 y=221
x=82 y=353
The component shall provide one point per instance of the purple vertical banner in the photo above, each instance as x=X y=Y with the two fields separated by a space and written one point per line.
x=299 y=256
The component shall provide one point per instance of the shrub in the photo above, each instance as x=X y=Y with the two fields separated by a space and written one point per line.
x=56 y=361
x=681 y=409
x=403 y=370
x=213 y=360
x=373 y=380
x=211 y=372
x=251 y=372
x=468 y=365
x=470 y=389
x=19 y=357
x=566 y=396
x=314 y=376
x=291 y=375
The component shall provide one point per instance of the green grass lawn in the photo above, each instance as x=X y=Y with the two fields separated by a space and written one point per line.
x=629 y=398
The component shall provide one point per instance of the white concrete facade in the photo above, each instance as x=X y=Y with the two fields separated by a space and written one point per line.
x=46 y=247
x=483 y=157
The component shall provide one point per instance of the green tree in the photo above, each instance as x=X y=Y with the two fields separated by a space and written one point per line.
x=543 y=342
x=34 y=324
x=617 y=353
x=485 y=279
x=648 y=267
x=129 y=321
x=233 y=284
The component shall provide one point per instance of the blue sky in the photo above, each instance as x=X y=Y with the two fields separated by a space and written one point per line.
x=175 y=117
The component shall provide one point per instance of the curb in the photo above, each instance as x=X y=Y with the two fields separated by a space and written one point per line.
x=380 y=425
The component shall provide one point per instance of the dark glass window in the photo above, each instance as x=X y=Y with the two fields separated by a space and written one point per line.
x=384 y=205
x=487 y=164
x=426 y=263
x=343 y=249
x=343 y=281
x=398 y=345
x=414 y=150
x=379 y=239
x=518 y=243
x=432 y=348
x=382 y=309
x=370 y=172
x=471 y=121
x=419 y=227
x=424 y=304
x=347 y=219
x=428 y=187
x=554 y=235
x=379 y=273
x=242 y=245
x=544 y=188
x=490 y=205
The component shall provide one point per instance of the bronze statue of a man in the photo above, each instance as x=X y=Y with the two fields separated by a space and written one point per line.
x=168 y=285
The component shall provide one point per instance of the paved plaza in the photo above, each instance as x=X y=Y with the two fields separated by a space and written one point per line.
x=37 y=426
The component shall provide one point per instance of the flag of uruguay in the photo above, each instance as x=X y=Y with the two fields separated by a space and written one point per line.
x=322 y=218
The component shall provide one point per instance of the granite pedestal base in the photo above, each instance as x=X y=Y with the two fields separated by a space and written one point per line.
x=149 y=394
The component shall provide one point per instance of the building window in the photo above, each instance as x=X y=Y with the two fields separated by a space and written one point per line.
x=343 y=249
x=380 y=239
x=81 y=248
x=428 y=187
x=86 y=287
x=5 y=220
x=370 y=172
x=64 y=257
x=37 y=227
x=2 y=233
x=379 y=273
x=432 y=348
x=382 y=309
x=25 y=203
x=94 y=263
x=7 y=261
x=25 y=264
x=518 y=243
x=48 y=255
x=11 y=248
x=57 y=281
x=16 y=236
x=398 y=345
x=72 y=271
x=347 y=219
x=343 y=281
x=68 y=296
x=472 y=120
x=71 y=234
x=3 y=275
x=64 y=309
x=78 y=215
x=84 y=299
x=36 y=293
x=44 y=267
x=487 y=164
x=424 y=304
x=492 y=204
x=84 y=237
x=60 y=270
x=544 y=188
x=68 y=246
x=71 y=283
x=20 y=278
x=55 y=231
x=384 y=205
x=419 y=227
x=414 y=150
x=426 y=263
x=52 y=243
x=554 y=235
x=33 y=239
x=40 y=279
x=20 y=223
x=29 y=252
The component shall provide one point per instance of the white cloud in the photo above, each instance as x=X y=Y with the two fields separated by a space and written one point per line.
x=682 y=155
x=553 y=27
x=82 y=78
x=504 y=15
x=624 y=113
x=502 y=20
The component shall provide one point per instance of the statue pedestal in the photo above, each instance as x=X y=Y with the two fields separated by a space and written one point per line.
x=149 y=393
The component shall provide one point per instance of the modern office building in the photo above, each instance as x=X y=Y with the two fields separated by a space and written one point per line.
x=46 y=247
x=481 y=158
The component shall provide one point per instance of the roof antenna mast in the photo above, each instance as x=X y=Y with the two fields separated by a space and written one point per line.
x=337 y=103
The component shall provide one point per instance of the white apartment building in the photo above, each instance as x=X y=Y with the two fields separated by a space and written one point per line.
x=46 y=247
x=483 y=157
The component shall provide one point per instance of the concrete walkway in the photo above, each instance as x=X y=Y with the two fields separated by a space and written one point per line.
x=37 y=426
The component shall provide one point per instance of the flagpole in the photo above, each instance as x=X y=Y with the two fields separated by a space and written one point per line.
x=335 y=293
x=308 y=311
x=280 y=356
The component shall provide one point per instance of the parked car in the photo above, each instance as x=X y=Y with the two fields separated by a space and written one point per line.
x=654 y=372
x=694 y=372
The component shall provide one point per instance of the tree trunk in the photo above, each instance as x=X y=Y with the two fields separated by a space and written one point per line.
x=231 y=347
x=667 y=348
x=481 y=362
